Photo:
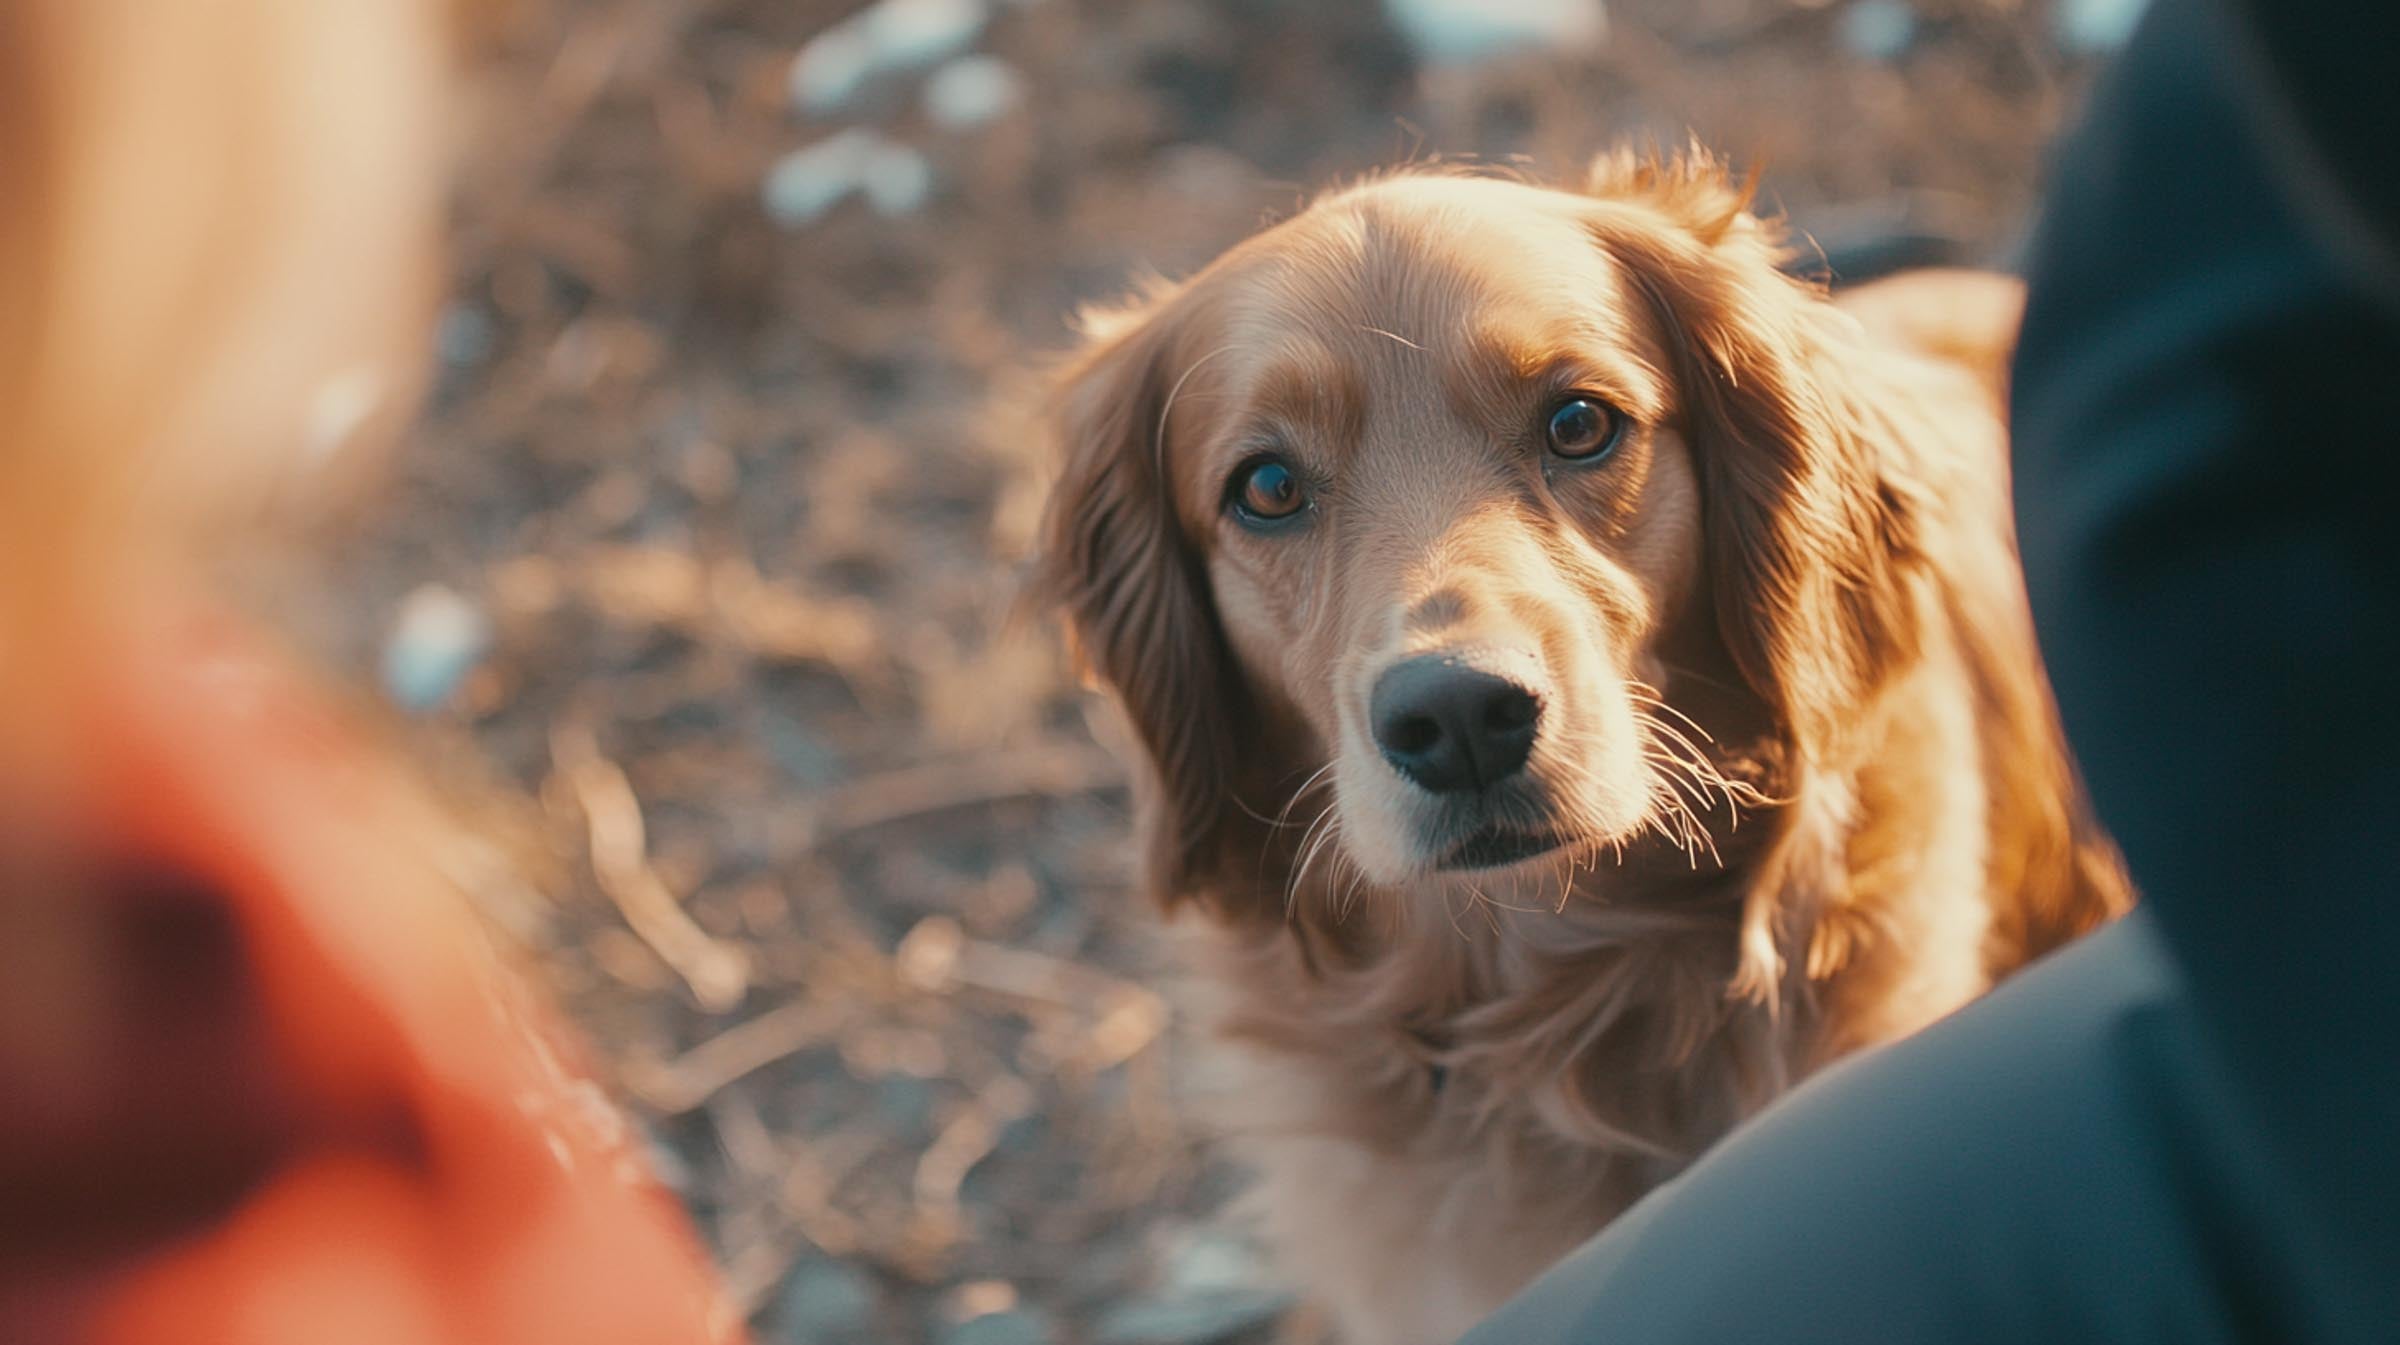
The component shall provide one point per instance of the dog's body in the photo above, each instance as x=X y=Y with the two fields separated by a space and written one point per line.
x=1655 y=627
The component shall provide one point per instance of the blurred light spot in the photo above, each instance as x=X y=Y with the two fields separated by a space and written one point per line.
x=893 y=36
x=989 y=1312
x=806 y=183
x=1880 y=30
x=971 y=91
x=1461 y=32
x=435 y=639
x=980 y=1298
x=896 y=179
x=830 y=70
x=341 y=406
x=912 y=33
x=2095 y=27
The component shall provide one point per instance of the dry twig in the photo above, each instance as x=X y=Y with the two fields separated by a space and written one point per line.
x=1052 y=770
x=677 y=1086
x=717 y=972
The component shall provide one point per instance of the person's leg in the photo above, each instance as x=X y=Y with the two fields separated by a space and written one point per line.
x=2206 y=478
x=2053 y=1165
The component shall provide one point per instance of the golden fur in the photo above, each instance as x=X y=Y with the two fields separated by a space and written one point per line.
x=1794 y=724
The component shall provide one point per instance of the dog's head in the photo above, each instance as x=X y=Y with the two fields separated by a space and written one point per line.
x=1437 y=514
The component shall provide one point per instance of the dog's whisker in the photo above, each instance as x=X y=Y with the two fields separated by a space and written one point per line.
x=1679 y=766
x=1327 y=825
x=1347 y=898
x=1736 y=792
x=1570 y=814
x=1689 y=787
x=1688 y=675
x=1691 y=833
x=1491 y=921
x=1341 y=897
x=1707 y=780
x=1320 y=833
x=1650 y=695
x=1450 y=908
x=1667 y=739
x=1318 y=778
x=1742 y=791
x=1677 y=775
x=1254 y=814
x=1495 y=903
x=1664 y=732
x=1679 y=825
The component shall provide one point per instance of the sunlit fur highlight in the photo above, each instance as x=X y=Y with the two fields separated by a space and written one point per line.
x=1795 y=719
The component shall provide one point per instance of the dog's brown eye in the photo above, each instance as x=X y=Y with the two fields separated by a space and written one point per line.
x=1583 y=428
x=1267 y=490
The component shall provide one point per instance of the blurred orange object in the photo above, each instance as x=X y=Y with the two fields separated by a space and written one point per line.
x=263 y=1078
x=268 y=1079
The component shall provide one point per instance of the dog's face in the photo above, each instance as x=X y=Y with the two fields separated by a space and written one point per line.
x=1442 y=511
x=1404 y=500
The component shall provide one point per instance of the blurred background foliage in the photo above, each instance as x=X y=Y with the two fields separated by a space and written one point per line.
x=696 y=583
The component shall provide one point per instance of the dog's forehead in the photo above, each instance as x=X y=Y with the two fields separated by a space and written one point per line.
x=1434 y=254
x=1413 y=290
x=1467 y=273
x=1401 y=304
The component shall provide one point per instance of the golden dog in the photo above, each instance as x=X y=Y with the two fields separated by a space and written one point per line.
x=1585 y=679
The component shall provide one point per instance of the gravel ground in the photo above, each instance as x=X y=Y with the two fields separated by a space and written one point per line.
x=731 y=460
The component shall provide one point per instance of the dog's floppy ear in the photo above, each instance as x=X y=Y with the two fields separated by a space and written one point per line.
x=1135 y=594
x=1809 y=513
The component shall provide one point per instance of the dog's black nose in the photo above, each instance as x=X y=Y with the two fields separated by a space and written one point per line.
x=1450 y=727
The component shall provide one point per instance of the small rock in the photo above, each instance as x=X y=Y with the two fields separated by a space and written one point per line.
x=971 y=91
x=807 y=182
x=1016 y=1326
x=896 y=179
x=827 y=1303
x=1462 y=32
x=910 y=34
x=831 y=68
x=463 y=338
x=2096 y=27
x=1879 y=30
x=895 y=35
x=435 y=639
